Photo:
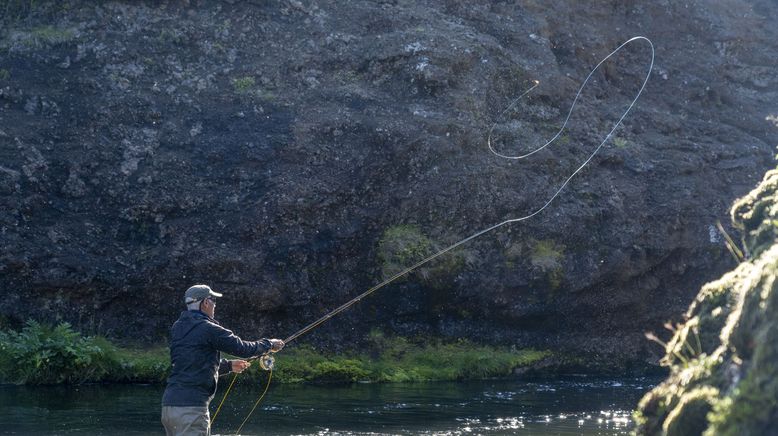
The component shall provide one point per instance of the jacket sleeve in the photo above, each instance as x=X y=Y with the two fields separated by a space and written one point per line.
x=226 y=341
x=225 y=367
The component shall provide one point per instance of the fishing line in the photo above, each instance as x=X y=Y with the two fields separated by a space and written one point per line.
x=267 y=358
x=269 y=377
x=215 y=414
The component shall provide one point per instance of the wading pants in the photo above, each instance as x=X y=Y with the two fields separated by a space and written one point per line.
x=186 y=421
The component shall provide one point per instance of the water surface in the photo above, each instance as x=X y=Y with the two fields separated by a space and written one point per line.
x=571 y=406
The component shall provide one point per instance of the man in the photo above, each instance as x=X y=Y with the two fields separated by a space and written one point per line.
x=196 y=343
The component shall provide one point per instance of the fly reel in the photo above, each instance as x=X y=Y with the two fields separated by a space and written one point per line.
x=266 y=361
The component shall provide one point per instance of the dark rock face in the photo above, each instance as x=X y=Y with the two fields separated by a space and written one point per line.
x=266 y=148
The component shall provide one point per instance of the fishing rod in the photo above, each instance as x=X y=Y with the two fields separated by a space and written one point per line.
x=267 y=360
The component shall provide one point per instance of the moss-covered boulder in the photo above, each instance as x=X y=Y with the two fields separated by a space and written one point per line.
x=724 y=358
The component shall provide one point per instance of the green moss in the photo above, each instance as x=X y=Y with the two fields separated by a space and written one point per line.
x=548 y=255
x=689 y=417
x=753 y=405
x=41 y=37
x=403 y=246
x=718 y=416
x=243 y=85
x=728 y=384
x=755 y=213
x=752 y=408
x=620 y=142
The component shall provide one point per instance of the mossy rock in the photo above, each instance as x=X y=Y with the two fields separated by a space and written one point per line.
x=731 y=327
x=403 y=246
x=713 y=306
x=547 y=255
x=689 y=417
x=757 y=214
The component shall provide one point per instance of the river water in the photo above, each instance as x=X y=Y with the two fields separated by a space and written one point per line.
x=570 y=406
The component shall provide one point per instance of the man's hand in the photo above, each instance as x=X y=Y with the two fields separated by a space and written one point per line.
x=276 y=345
x=239 y=365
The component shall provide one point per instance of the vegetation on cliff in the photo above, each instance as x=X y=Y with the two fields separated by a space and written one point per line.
x=724 y=358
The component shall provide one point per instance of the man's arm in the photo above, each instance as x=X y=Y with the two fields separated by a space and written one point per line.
x=226 y=341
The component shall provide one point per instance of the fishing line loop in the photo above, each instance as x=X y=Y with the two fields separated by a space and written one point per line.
x=513 y=220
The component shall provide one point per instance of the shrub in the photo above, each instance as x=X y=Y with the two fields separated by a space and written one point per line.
x=44 y=355
x=339 y=371
x=41 y=354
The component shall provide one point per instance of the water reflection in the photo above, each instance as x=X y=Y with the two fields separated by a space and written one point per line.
x=574 y=406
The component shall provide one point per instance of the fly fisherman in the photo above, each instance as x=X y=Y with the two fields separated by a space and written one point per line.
x=196 y=343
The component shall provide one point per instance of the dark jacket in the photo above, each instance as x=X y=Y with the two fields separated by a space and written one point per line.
x=196 y=341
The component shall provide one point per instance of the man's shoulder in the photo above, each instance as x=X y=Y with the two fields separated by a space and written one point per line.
x=214 y=325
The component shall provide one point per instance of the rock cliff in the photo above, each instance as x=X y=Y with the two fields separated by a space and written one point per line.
x=290 y=153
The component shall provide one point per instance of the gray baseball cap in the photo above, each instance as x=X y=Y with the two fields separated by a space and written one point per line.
x=198 y=292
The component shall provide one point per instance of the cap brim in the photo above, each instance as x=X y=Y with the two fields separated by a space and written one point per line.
x=214 y=293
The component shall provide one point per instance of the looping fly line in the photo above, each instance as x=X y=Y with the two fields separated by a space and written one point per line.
x=359 y=297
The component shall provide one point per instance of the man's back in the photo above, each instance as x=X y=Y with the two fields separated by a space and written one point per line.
x=194 y=361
